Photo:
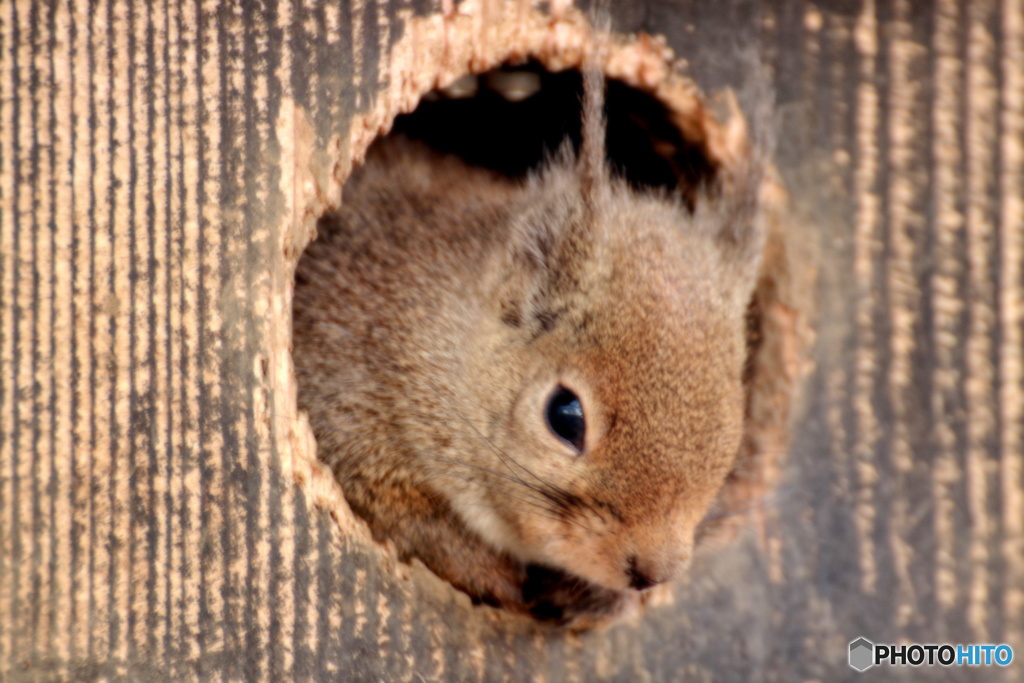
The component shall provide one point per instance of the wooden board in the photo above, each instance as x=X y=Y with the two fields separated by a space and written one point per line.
x=161 y=165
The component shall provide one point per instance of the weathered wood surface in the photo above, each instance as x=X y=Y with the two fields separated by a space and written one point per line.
x=159 y=515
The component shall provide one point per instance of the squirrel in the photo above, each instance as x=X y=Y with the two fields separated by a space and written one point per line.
x=534 y=386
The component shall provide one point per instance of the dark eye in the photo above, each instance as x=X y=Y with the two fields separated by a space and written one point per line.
x=565 y=417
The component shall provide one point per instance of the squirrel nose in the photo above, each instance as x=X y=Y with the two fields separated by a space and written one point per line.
x=641 y=576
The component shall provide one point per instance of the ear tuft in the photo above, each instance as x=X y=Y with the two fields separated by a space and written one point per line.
x=592 y=163
x=732 y=205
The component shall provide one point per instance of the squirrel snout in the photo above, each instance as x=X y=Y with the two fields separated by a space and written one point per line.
x=644 y=573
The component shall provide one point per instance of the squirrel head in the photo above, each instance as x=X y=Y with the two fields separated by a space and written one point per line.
x=609 y=371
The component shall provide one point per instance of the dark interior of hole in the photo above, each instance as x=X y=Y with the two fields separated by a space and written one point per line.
x=643 y=145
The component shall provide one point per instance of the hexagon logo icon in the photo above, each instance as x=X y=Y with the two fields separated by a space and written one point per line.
x=862 y=654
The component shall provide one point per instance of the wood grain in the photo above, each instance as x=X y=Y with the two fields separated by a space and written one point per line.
x=161 y=166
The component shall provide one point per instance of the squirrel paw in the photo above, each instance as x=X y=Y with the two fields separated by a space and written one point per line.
x=563 y=599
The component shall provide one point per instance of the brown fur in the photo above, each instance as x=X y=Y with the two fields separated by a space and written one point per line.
x=441 y=306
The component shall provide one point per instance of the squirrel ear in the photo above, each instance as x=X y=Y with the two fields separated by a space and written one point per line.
x=731 y=208
x=553 y=241
x=543 y=263
x=556 y=236
x=731 y=205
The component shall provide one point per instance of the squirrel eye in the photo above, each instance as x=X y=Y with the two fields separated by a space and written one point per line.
x=565 y=417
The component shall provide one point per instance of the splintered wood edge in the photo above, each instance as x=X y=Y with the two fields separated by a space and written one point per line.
x=473 y=38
